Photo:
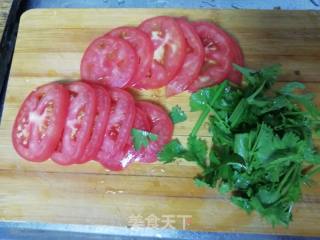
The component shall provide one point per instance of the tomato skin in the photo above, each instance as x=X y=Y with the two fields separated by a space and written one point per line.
x=118 y=129
x=161 y=125
x=78 y=125
x=100 y=124
x=110 y=61
x=142 y=44
x=169 y=50
x=218 y=55
x=192 y=62
x=47 y=104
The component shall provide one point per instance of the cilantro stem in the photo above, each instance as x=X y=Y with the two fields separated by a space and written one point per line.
x=255 y=145
x=282 y=160
x=238 y=112
x=313 y=172
x=285 y=178
x=215 y=114
x=250 y=99
x=291 y=181
x=206 y=112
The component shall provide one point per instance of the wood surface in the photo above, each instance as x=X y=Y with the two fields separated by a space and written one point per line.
x=49 y=48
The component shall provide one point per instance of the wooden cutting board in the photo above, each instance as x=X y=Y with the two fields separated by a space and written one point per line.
x=49 y=48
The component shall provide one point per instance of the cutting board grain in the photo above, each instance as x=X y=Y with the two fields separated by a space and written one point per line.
x=49 y=48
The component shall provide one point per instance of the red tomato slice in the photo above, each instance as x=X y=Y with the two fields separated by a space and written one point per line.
x=192 y=62
x=141 y=120
x=78 y=125
x=169 y=50
x=110 y=61
x=118 y=129
x=39 y=123
x=123 y=158
x=219 y=54
x=141 y=44
x=100 y=124
x=162 y=126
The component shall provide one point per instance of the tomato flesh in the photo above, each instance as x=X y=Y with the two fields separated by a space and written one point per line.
x=169 y=50
x=110 y=61
x=78 y=125
x=218 y=55
x=118 y=128
x=100 y=124
x=129 y=154
x=192 y=62
x=161 y=125
x=141 y=44
x=39 y=123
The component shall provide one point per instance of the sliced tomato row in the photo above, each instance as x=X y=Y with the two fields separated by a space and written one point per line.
x=79 y=121
x=163 y=51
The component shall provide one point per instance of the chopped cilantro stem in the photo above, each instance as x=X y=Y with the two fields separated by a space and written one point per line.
x=206 y=112
x=286 y=177
x=215 y=114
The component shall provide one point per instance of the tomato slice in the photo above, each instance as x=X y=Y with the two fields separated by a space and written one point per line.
x=161 y=125
x=110 y=61
x=100 y=124
x=129 y=154
x=78 y=125
x=118 y=129
x=192 y=62
x=141 y=120
x=218 y=48
x=169 y=50
x=39 y=123
x=141 y=44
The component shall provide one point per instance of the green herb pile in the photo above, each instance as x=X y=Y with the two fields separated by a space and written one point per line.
x=261 y=151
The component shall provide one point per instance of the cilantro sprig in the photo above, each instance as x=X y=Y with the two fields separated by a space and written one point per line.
x=262 y=142
x=142 y=138
x=177 y=115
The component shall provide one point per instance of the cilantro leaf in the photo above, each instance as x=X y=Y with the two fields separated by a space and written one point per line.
x=224 y=188
x=305 y=99
x=142 y=138
x=249 y=74
x=279 y=102
x=177 y=115
x=200 y=182
x=200 y=99
x=205 y=97
x=268 y=196
x=199 y=149
x=243 y=143
x=171 y=151
x=242 y=203
x=270 y=74
x=204 y=101
x=259 y=81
